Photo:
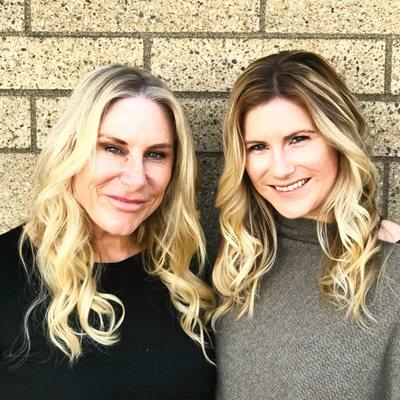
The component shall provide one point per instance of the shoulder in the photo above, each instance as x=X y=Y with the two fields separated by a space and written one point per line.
x=15 y=290
x=11 y=234
x=389 y=231
x=389 y=235
x=11 y=267
x=388 y=261
x=389 y=254
x=9 y=243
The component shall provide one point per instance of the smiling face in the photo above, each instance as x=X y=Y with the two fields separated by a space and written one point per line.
x=132 y=167
x=287 y=160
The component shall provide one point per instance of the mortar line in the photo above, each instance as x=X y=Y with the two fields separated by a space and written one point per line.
x=385 y=191
x=391 y=159
x=262 y=15
x=36 y=92
x=9 y=150
x=201 y=94
x=27 y=17
x=201 y=35
x=32 y=101
x=147 y=43
x=385 y=97
x=388 y=65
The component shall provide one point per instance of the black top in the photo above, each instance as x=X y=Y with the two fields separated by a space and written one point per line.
x=154 y=358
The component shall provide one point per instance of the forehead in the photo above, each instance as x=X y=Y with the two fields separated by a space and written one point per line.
x=276 y=117
x=135 y=118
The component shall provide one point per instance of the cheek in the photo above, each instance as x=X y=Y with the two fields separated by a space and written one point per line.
x=81 y=181
x=330 y=164
x=321 y=161
x=159 y=177
x=87 y=183
x=255 y=167
x=102 y=174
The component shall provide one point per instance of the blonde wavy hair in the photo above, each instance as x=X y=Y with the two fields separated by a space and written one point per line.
x=249 y=244
x=61 y=235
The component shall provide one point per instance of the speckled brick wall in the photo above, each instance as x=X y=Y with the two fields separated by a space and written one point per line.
x=198 y=48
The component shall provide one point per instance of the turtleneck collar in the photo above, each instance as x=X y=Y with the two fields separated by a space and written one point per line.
x=304 y=229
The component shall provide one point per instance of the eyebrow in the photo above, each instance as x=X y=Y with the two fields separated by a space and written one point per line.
x=119 y=141
x=122 y=142
x=161 y=146
x=286 y=137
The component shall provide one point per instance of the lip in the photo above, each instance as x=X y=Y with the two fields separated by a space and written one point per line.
x=125 y=204
x=292 y=192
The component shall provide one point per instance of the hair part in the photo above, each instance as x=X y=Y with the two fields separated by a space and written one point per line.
x=61 y=230
x=249 y=244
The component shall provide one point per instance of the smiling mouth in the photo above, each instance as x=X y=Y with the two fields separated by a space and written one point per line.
x=124 y=204
x=292 y=187
x=126 y=200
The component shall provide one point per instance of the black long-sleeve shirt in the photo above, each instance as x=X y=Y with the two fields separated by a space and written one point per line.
x=154 y=358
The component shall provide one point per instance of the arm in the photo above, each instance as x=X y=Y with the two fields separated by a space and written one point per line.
x=389 y=231
x=391 y=378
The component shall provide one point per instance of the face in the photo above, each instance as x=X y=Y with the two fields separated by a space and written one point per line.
x=288 y=161
x=132 y=167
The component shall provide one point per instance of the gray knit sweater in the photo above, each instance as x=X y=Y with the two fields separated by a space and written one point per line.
x=297 y=346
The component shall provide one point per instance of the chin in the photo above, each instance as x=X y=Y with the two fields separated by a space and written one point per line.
x=119 y=228
x=293 y=213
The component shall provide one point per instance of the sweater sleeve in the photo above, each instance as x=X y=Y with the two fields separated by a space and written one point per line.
x=392 y=370
x=393 y=366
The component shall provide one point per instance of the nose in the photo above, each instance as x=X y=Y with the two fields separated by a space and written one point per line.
x=133 y=174
x=281 y=165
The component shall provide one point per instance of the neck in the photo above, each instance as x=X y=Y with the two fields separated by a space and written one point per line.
x=112 y=248
x=304 y=229
x=329 y=218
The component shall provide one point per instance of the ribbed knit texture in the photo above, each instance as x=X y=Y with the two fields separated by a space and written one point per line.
x=297 y=345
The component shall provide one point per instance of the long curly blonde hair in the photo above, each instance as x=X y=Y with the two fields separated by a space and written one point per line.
x=249 y=244
x=61 y=230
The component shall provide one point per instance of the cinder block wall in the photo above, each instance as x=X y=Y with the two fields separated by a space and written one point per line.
x=198 y=48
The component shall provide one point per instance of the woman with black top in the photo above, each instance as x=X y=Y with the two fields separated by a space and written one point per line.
x=97 y=297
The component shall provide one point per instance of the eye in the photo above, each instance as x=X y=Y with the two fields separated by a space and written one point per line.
x=258 y=147
x=299 y=138
x=156 y=155
x=112 y=149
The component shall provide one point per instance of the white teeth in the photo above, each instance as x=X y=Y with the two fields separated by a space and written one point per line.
x=291 y=187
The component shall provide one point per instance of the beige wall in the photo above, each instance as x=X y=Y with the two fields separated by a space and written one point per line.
x=198 y=47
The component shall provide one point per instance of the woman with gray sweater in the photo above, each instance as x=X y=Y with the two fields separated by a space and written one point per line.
x=308 y=273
